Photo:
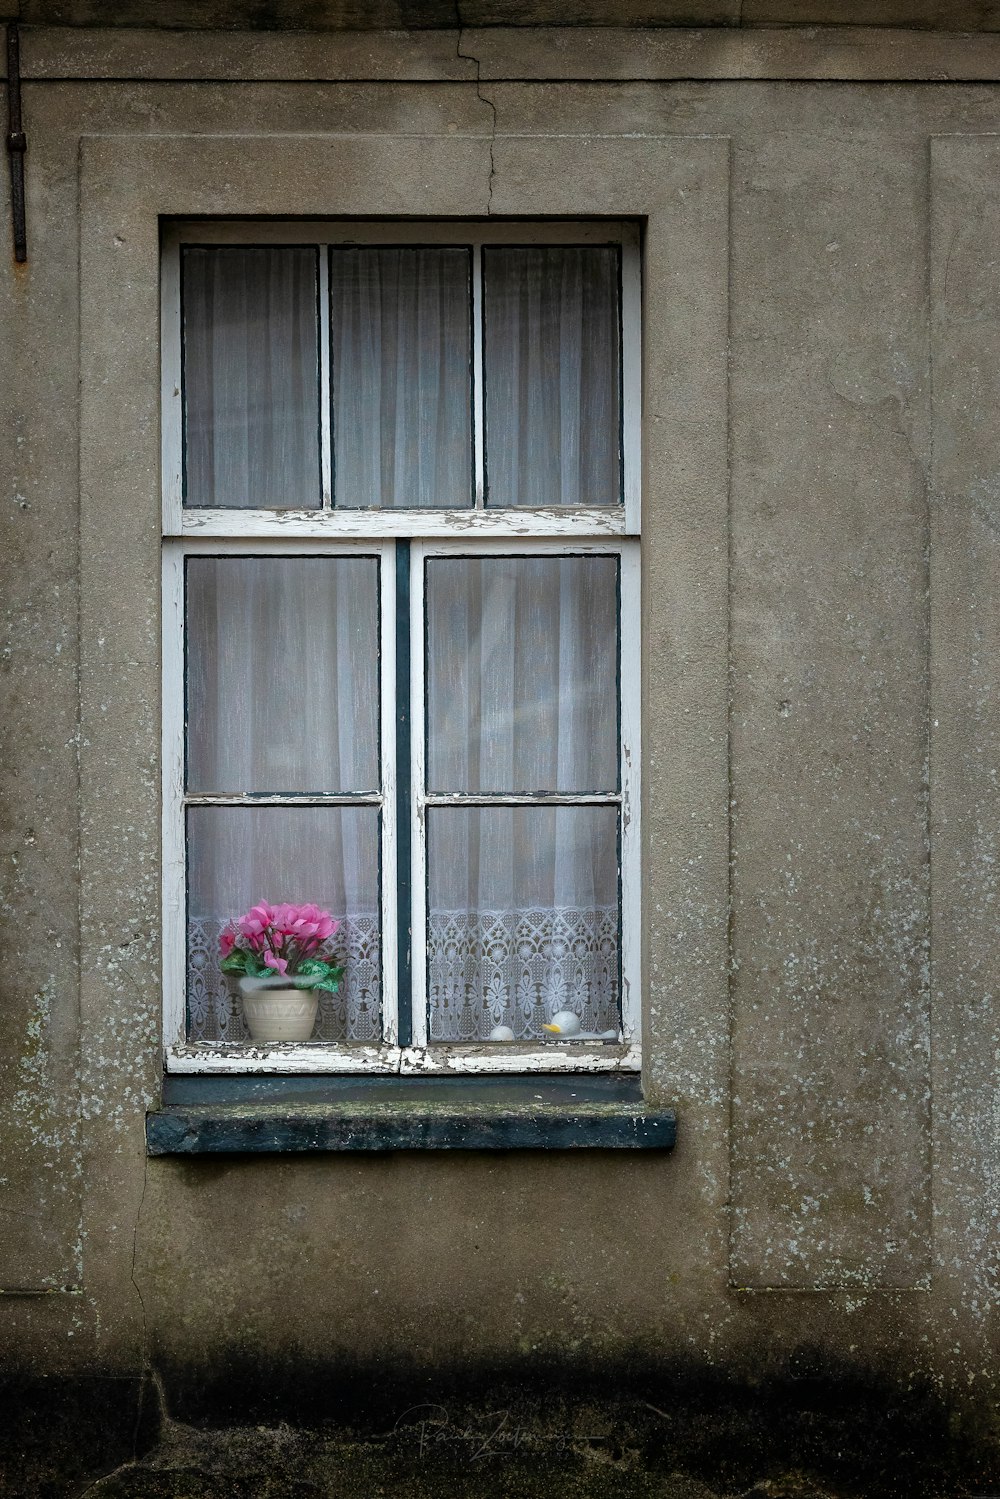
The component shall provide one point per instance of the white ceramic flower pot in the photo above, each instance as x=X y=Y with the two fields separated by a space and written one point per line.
x=277 y=1012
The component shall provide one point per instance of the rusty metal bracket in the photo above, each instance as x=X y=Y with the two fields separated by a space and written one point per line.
x=16 y=143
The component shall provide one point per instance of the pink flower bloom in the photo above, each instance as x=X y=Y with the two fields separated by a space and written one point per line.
x=253 y=923
x=306 y=924
x=297 y=931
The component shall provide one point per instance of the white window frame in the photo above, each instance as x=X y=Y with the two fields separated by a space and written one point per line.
x=325 y=531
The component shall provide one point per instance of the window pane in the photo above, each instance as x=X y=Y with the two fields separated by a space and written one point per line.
x=251 y=377
x=523 y=919
x=552 y=359
x=522 y=665
x=238 y=856
x=282 y=674
x=400 y=352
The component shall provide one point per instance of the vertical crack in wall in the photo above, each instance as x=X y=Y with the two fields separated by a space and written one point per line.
x=491 y=106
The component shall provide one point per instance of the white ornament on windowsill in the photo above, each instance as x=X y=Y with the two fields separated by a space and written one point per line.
x=566 y=1025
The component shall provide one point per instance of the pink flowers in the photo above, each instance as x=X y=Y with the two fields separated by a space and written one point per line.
x=266 y=925
x=282 y=939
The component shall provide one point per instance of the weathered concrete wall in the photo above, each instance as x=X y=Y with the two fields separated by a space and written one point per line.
x=39 y=896
x=820 y=745
x=829 y=697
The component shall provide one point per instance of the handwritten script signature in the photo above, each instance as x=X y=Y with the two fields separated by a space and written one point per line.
x=494 y=1434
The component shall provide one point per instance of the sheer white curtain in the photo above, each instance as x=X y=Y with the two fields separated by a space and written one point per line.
x=551 y=351
x=282 y=674
x=251 y=376
x=282 y=697
x=400 y=354
x=522 y=663
x=522 y=653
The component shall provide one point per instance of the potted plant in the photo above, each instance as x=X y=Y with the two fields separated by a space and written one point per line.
x=282 y=957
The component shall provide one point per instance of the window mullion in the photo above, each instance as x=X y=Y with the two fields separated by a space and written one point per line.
x=392 y=846
x=325 y=381
x=399 y=811
x=418 y=803
x=478 y=392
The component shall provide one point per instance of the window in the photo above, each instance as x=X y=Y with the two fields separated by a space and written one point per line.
x=400 y=634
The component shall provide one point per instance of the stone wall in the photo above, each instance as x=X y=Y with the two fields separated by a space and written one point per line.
x=822 y=345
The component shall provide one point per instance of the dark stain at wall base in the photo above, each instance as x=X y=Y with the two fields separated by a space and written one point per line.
x=515 y=1433
x=59 y=1433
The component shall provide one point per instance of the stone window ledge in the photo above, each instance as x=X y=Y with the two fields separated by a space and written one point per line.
x=202 y=1118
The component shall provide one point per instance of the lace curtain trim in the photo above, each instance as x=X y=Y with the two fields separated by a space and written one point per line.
x=519 y=968
x=353 y=1014
x=487 y=968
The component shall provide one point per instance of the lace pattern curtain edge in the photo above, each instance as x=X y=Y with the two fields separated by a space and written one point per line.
x=514 y=968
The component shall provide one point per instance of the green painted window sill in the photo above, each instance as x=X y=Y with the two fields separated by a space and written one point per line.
x=200 y=1117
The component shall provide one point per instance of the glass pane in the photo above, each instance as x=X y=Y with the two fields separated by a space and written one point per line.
x=239 y=856
x=522 y=665
x=523 y=920
x=400 y=353
x=552 y=364
x=282 y=674
x=251 y=376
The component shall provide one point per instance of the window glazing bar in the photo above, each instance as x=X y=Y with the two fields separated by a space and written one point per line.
x=478 y=397
x=325 y=385
x=404 y=917
x=522 y=798
x=283 y=799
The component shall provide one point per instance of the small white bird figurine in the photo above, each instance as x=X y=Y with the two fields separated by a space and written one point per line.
x=501 y=1033
x=566 y=1025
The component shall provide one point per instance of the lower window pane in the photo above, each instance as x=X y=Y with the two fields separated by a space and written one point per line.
x=523 y=920
x=329 y=856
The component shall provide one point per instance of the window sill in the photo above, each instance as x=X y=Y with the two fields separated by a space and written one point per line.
x=205 y=1117
x=208 y=1059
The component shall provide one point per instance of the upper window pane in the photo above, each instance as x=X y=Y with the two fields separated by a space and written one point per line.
x=400 y=355
x=251 y=377
x=282 y=674
x=552 y=369
x=522 y=667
